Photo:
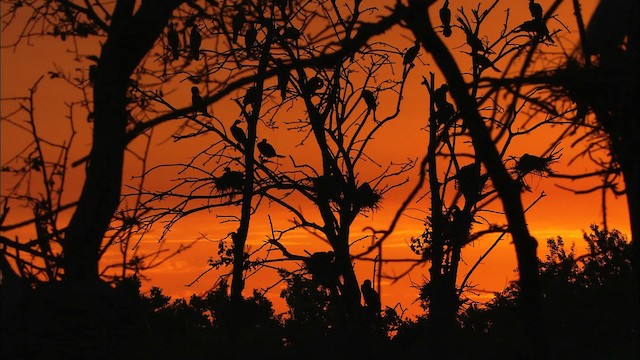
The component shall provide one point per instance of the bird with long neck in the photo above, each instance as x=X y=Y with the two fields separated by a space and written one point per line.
x=195 y=41
x=267 y=150
x=445 y=19
x=238 y=133
x=174 y=41
x=411 y=54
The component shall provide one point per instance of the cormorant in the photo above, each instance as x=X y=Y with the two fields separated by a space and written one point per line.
x=195 y=40
x=369 y=99
x=174 y=41
x=535 y=9
x=411 y=53
x=371 y=297
x=267 y=150
x=445 y=18
x=238 y=133
x=198 y=102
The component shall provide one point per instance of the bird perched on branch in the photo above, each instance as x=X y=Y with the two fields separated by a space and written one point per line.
x=535 y=9
x=470 y=182
x=195 y=40
x=411 y=54
x=174 y=41
x=314 y=84
x=238 y=133
x=445 y=18
x=369 y=99
x=267 y=150
x=251 y=96
x=473 y=40
x=198 y=102
x=484 y=62
x=283 y=78
x=371 y=297
x=440 y=94
x=237 y=22
x=250 y=37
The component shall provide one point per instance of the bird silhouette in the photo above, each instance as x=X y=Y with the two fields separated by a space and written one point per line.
x=444 y=113
x=250 y=37
x=267 y=150
x=371 y=297
x=369 y=99
x=440 y=94
x=251 y=96
x=283 y=78
x=473 y=41
x=484 y=62
x=535 y=9
x=411 y=54
x=314 y=84
x=445 y=18
x=198 y=103
x=237 y=22
x=537 y=27
x=195 y=40
x=470 y=182
x=174 y=41
x=238 y=133
x=291 y=33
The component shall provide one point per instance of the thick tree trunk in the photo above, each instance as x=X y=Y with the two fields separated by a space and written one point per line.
x=507 y=188
x=131 y=36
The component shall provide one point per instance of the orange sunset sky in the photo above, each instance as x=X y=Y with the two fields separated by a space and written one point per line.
x=560 y=212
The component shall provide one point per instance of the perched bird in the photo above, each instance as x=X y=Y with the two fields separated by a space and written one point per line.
x=473 y=41
x=484 y=62
x=283 y=78
x=267 y=149
x=445 y=18
x=444 y=113
x=537 y=27
x=195 y=40
x=291 y=33
x=198 y=102
x=174 y=41
x=411 y=54
x=369 y=99
x=250 y=37
x=251 y=96
x=238 y=133
x=440 y=94
x=314 y=84
x=535 y=9
x=470 y=182
x=371 y=297
x=237 y=22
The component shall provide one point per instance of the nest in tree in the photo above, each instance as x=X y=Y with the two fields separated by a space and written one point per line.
x=229 y=181
x=531 y=164
x=366 y=198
